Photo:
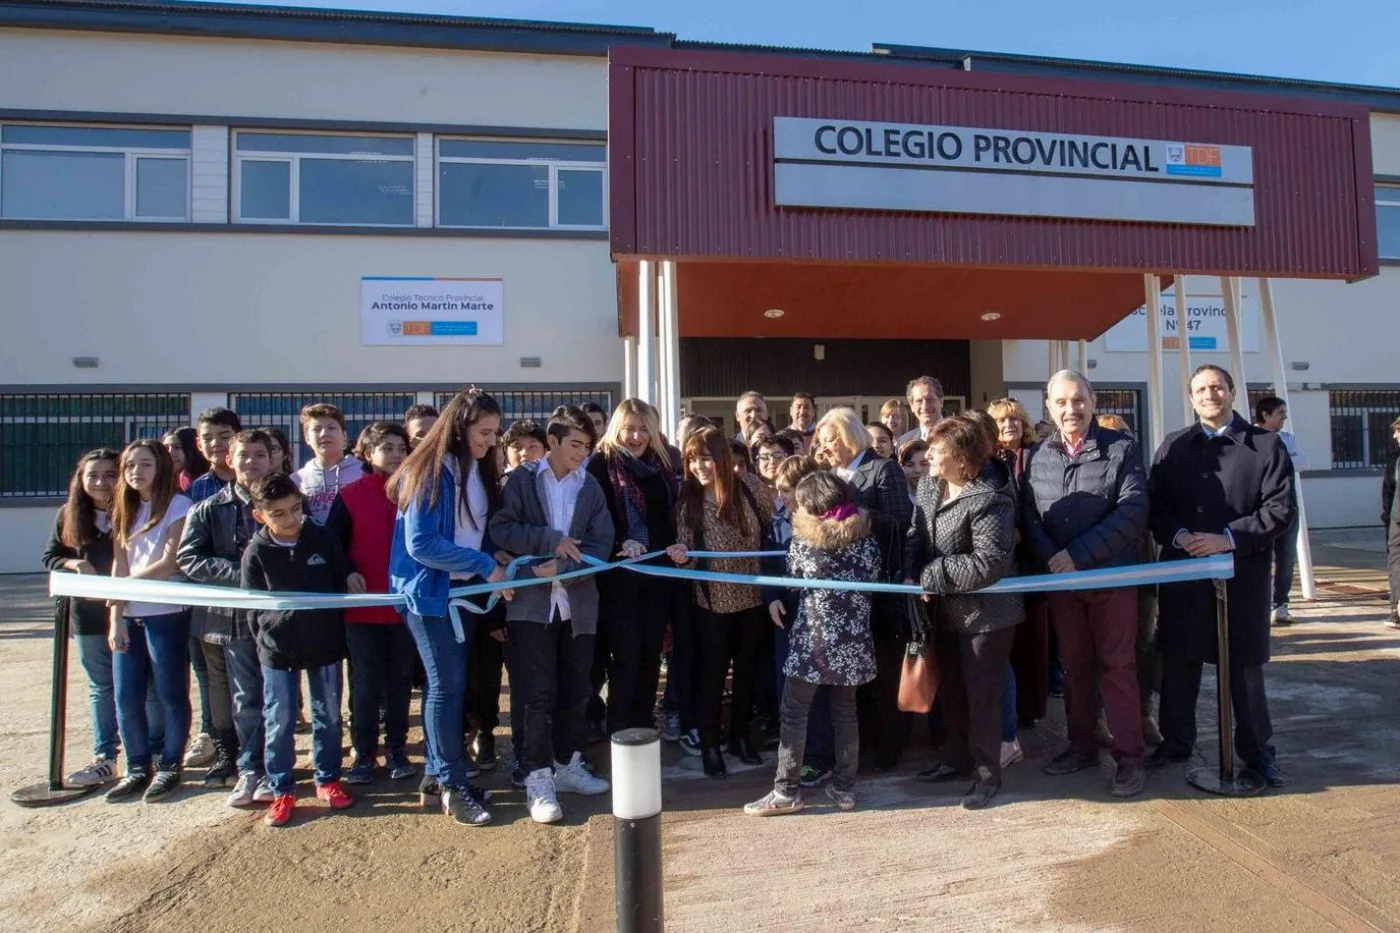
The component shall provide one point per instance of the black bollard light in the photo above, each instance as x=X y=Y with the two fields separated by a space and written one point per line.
x=1227 y=781
x=636 y=795
x=54 y=790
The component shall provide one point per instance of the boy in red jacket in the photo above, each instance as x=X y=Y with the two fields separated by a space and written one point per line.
x=381 y=649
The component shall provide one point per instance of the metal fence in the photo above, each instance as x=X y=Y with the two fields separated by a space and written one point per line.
x=1361 y=420
x=538 y=404
x=1125 y=403
x=43 y=435
x=283 y=410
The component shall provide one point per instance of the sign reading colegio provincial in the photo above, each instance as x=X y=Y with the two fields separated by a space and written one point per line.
x=423 y=310
x=958 y=169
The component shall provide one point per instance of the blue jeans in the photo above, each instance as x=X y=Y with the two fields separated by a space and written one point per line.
x=96 y=657
x=157 y=653
x=444 y=702
x=280 y=689
x=245 y=680
x=1008 y=707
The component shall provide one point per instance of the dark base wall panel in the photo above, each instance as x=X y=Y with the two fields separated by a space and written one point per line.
x=727 y=366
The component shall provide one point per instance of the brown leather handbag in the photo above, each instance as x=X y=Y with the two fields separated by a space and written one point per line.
x=918 y=676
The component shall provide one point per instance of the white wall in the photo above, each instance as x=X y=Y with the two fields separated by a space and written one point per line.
x=235 y=308
x=1385 y=143
x=322 y=81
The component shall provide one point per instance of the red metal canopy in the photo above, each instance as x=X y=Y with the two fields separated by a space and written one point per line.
x=692 y=178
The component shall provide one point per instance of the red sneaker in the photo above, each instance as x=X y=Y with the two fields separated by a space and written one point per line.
x=334 y=794
x=280 y=812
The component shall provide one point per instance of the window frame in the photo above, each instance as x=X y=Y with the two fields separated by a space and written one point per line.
x=1389 y=202
x=131 y=154
x=554 y=166
x=293 y=161
x=1361 y=404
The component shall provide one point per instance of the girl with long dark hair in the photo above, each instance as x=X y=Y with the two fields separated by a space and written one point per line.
x=721 y=510
x=445 y=491
x=188 y=462
x=149 y=641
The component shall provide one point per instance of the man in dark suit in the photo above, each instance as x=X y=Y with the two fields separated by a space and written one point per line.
x=925 y=397
x=1221 y=485
x=1388 y=486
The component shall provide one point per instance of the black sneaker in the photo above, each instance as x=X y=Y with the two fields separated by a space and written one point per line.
x=486 y=750
x=517 y=777
x=221 y=773
x=463 y=806
x=131 y=784
x=165 y=781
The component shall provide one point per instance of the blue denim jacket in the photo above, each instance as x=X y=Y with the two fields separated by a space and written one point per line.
x=423 y=557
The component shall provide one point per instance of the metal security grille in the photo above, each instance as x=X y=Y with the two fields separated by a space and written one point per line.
x=537 y=404
x=43 y=435
x=1121 y=402
x=1361 y=420
x=283 y=410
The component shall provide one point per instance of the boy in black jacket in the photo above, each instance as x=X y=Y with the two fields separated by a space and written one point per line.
x=290 y=552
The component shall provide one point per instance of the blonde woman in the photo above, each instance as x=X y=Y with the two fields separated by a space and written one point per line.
x=1015 y=433
x=879 y=481
x=639 y=482
x=892 y=416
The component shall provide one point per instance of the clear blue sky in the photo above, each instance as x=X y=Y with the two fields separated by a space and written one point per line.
x=1356 y=41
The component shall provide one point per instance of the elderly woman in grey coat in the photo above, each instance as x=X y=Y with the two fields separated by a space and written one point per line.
x=963 y=540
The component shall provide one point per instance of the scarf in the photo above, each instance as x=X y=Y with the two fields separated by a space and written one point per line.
x=625 y=471
x=839 y=514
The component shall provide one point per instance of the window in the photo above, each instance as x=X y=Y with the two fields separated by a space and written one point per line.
x=52 y=172
x=1388 y=220
x=521 y=185
x=302 y=178
x=283 y=410
x=43 y=435
x=536 y=404
x=1361 y=426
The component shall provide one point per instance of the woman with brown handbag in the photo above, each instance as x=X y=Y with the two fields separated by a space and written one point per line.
x=963 y=540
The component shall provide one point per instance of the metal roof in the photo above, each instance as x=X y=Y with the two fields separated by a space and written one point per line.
x=314 y=24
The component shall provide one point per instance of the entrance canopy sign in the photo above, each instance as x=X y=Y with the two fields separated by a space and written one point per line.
x=1206 y=329
x=423 y=311
x=855 y=164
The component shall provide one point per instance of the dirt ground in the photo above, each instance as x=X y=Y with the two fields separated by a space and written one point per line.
x=1055 y=854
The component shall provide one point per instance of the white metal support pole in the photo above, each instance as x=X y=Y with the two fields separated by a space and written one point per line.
x=1183 y=348
x=646 y=332
x=663 y=343
x=629 y=367
x=1269 y=322
x=1083 y=365
x=1053 y=363
x=672 y=416
x=1152 y=295
x=1230 y=291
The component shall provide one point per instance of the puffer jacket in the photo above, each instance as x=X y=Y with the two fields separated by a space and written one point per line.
x=966 y=544
x=1093 y=505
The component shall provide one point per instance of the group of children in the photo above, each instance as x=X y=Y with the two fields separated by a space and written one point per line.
x=419 y=508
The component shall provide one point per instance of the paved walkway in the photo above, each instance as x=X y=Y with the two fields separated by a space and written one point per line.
x=1054 y=854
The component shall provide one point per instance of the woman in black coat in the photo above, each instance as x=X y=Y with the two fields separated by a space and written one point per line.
x=964 y=539
x=639 y=483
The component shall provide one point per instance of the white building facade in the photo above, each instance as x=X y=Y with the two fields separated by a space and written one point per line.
x=196 y=202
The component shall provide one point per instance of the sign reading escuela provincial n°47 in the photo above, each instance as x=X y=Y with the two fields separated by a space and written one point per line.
x=428 y=310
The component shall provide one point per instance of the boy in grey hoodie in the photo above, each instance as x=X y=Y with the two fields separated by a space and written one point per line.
x=556 y=508
x=323 y=428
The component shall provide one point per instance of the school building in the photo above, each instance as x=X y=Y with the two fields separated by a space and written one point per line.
x=212 y=204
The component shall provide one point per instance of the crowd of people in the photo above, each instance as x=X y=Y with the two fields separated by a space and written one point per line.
x=953 y=504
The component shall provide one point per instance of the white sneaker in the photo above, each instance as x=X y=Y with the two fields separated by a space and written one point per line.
x=1281 y=615
x=201 y=753
x=244 y=792
x=574 y=778
x=264 y=793
x=540 y=797
x=100 y=771
x=1011 y=753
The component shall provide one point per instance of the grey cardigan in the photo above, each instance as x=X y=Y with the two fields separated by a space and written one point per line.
x=520 y=525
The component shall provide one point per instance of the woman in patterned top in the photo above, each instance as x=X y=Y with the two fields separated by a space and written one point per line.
x=720 y=510
x=830 y=642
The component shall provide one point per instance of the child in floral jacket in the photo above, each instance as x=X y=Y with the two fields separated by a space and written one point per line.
x=829 y=642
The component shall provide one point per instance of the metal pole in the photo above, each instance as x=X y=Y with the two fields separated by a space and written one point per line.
x=1274 y=344
x=1183 y=347
x=54 y=790
x=1083 y=367
x=1230 y=292
x=646 y=332
x=636 y=793
x=663 y=345
x=1225 y=781
x=673 y=353
x=629 y=367
x=1152 y=296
